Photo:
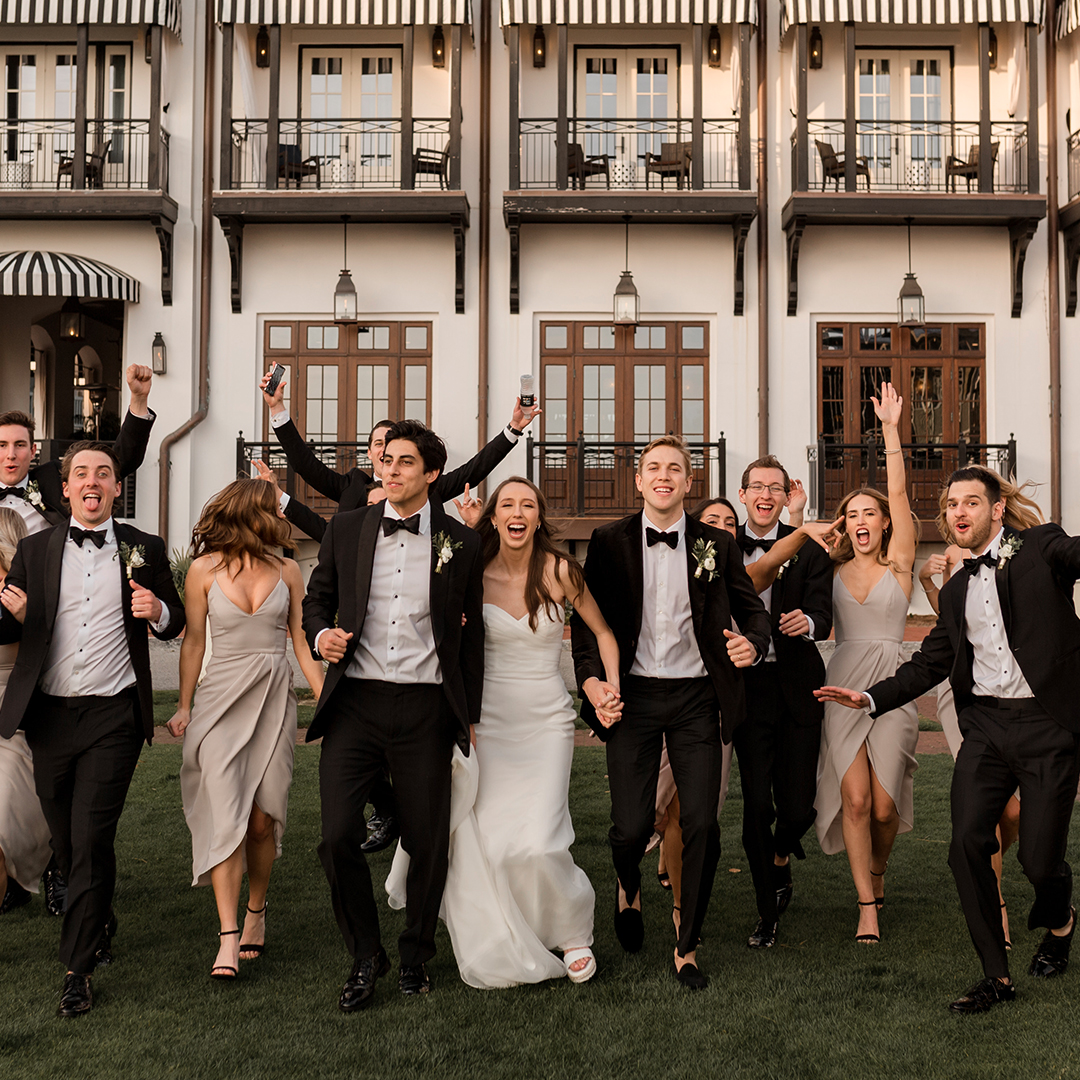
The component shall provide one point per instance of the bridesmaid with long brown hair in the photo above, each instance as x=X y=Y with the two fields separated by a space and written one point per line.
x=240 y=730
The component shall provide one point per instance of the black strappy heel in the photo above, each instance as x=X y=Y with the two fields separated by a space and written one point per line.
x=218 y=971
x=256 y=949
x=867 y=939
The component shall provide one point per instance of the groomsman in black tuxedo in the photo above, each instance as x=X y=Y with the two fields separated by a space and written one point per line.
x=395 y=606
x=778 y=745
x=668 y=586
x=1007 y=639
x=78 y=599
x=36 y=495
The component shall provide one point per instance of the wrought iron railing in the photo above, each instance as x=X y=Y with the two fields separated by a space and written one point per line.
x=40 y=154
x=837 y=468
x=342 y=154
x=626 y=144
x=908 y=155
x=1074 y=164
x=587 y=477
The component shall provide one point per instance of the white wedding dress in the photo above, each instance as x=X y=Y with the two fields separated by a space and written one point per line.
x=513 y=892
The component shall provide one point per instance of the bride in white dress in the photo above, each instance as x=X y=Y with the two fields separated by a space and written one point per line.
x=513 y=892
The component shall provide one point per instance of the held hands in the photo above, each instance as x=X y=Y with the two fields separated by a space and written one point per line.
x=888 y=408
x=333 y=643
x=794 y=623
x=144 y=604
x=522 y=419
x=469 y=508
x=139 y=377
x=605 y=699
x=14 y=599
x=852 y=699
x=740 y=652
x=179 y=722
x=276 y=401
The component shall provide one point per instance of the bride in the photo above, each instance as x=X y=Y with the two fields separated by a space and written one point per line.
x=513 y=893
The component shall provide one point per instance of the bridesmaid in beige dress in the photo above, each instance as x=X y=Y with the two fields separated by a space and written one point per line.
x=24 y=835
x=240 y=733
x=866 y=765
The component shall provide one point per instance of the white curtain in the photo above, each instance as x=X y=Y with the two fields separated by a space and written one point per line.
x=256 y=147
x=1017 y=69
x=736 y=73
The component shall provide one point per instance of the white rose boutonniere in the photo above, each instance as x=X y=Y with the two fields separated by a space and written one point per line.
x=780 y=572
x=1009 y=547
x=444 y=547
x=133 y=557
x=705 y=557
x=32 y=495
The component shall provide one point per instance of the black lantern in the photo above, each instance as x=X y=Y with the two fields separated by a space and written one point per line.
x=991 y=51
x=72 y=319
x=262 y=48
x=539 y=48
x=626 y=305
x=910 y=305
x=345 y=293
x=714 y=46
x=438 y=48
x=158 y=355
x=816 y=54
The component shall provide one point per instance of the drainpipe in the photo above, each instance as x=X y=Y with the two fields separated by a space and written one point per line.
x=205 y=263
x=1053 y=292
x=484 y=312
x=762 y=240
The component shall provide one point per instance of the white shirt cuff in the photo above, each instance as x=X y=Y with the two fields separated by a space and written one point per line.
x=809 y=635
x=871 y=707
x=148 y=415
x=318 y=638
x=283 y=501
x=163 y=622
x=512 y=435
x=279 y=419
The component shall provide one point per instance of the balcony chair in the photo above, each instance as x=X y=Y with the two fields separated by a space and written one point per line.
x=673 y=160
x=832 y=166
x=968 y=169
x=290 y=166
x=95 y=167
x=579 y=167
x=427 y=162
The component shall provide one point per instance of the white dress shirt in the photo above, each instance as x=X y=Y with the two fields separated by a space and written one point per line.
x=89 y=652
x=397 y=643
x=667 y=646
x=34 y=518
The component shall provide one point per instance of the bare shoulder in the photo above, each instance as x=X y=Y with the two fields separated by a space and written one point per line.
x=290 y=573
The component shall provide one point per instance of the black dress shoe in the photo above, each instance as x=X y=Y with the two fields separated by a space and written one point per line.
x=764 y=935
x=359 y=988
x=690 y=977
x=629 y=926
x=103 y=957
x=784 y=888
x=75 y=998
x=1052 y=956
x=414 y=980
x=55 y=889
x=14 y=897
x=984 y=996
x=382 y=832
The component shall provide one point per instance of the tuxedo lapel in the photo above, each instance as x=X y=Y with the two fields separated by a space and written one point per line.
x=438 y=582
x=365 y=560
x=1001 y=580
x=636 y=568
x=123 y=537
x=695 y=586
x=54 y=558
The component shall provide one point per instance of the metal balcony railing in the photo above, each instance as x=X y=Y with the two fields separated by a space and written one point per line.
x=1074 y=164
x=587 y=477
x=930 y=156
x=40 y=155
x=342 y=154
x=626 y=144
x=837 y=468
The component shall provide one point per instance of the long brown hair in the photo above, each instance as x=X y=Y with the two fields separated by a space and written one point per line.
x=12 y=530
x=1021 y=511
x=537 y=594
x=241 y=520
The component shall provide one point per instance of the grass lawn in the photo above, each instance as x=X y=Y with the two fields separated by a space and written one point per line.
x=816 y=1006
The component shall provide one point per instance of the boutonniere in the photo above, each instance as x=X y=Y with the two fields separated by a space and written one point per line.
x=705 y=557
x=444 y=549
x=1009 y=547
x=780 y=572
x=133 y=557
x=32 y=494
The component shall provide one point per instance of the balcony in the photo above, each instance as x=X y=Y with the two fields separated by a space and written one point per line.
x=1070 y=224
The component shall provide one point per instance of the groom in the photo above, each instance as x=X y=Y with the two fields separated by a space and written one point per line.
x=395 y=606
x=668 y=587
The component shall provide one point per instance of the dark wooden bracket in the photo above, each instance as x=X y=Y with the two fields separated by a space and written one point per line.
x=459 y=265
x=513 y=226
x=1072 y=266
x=233 y=228
x=1020 y=234
x=164 y=229
x=740 y=228
x=794 y=230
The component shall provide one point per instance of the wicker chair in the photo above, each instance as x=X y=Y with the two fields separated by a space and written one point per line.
x=673 y=160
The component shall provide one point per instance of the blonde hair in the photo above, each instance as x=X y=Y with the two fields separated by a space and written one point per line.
x=1021 y=511
x=676 y=442
x=12 y=530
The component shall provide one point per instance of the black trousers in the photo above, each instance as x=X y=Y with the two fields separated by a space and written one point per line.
x=85 y=752
x=686 y=712
x=382 y=796
x=411 y=730
x=1014 y=744
x=778 y=768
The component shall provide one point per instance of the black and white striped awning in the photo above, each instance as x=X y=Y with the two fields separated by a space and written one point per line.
x=344 y=12
x=53 y=273
x=1068 y=17
x=913 y=12
x=627 y=12
x=95 y=12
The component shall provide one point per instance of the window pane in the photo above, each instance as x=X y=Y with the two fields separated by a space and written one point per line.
x=415 y=337
x=877 y=338
x=693 y=401
x=926 y=339
x=591 y=337
x=641 y=337
x=372 y=399
x=330 y=337
x=555 y=381
x=693 y=426
x=416 y=382
x=382 y=337
x=373 y=337
x=321 y=419
x=832 y=339
x=693 y=337
x=870 y=380
x=555 y=410
x=280 y=337
x=969 y=397
x=967 y=338
x=927 y=405
x=554 y=337
x=693 y=381
x=314 y=337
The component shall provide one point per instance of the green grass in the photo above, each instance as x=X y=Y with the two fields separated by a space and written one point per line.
x=817 y=1006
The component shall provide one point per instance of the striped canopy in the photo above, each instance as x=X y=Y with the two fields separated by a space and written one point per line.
x=95 y=12
x=344 y=12
x=628 y=12
x=913 y=12
x=1068 y=17
x=54 y=273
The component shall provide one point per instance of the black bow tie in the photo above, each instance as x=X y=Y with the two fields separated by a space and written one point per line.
x=986 y=559
x=79 y=535
x=14 y=492
x=410 y=524
x=750 y=543
x=654 y=537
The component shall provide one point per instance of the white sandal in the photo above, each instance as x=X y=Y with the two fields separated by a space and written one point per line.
x=572 y=956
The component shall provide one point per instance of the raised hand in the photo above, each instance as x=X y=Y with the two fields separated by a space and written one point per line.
x=935 y=564
x=144 y=604
x=276 y=401
x=824 y=533
x=521 y=419
x=468 y=508
x=797 y=498
x=266 y=473
x=843 y=696
x=740 y=652
x=888 y=408
x=139 y=377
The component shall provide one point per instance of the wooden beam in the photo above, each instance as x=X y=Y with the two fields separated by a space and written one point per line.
x=1072 y=267
x=562 y=122
x=82 y=64
x=1020 y=235
x=228 y=35
x=986 y=158
x=514 y=49
x=794 y=229
x=740 y=230
x=233 y=228
x=164 y=229
x=459 y=266
x=1033 y=178
x=273 y=118
x=153 y=153
x=513 y=227
x=407 y=43
x=802 y=128
x=454 y=179
x=697 y=123
x=851 y=76
x=744 y=107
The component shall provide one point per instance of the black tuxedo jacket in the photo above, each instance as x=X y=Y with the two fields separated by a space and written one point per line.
x=337 y=595
x=129 y=447
x=349 y=490
x=615 y=574
x=36 y=569
x=1035 y=589
x=806 y=583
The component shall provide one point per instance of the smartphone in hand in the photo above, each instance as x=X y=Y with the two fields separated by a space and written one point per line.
x=277 y=373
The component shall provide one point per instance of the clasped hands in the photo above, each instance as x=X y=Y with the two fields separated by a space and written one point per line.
x=605 y=699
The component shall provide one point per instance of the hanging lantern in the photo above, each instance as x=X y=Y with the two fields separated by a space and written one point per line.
x=438 y=48
x=992 y=50
x=910 y=304
x=714 y=46
x=262 y=48
x=539 y=48
x=158 y=355
x=816 y=53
